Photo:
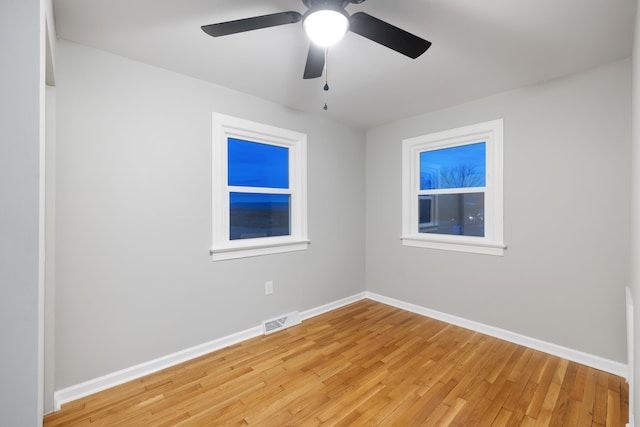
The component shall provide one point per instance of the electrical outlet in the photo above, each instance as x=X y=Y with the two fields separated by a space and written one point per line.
x=268 y=287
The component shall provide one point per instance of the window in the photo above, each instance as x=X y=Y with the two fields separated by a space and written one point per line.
x=259 y=189
x=452 y=190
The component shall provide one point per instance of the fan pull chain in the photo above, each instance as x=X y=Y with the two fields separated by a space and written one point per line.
x=326 y=69
x=326 y=75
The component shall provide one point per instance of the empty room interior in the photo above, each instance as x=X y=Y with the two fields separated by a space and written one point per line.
x=208 y=221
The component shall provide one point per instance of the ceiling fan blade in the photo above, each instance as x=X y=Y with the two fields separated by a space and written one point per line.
x=315 y=62
x=249 y=24
x=388 y=35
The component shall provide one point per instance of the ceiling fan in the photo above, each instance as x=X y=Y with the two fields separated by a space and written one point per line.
x=326 y=22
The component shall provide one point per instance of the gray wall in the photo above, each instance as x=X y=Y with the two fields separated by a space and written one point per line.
x=20 y=114
x=50 y=256
x=635 y=221
x=134 y=280
x=566 y=198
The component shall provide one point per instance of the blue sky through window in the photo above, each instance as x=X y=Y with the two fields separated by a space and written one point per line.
x=251 y=164
x=456 y=167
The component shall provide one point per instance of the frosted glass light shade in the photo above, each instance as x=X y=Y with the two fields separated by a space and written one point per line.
x=326 y=27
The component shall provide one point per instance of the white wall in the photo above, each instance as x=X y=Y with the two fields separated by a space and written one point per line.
x=566 y=185
x=21 y=113
x=134 y=280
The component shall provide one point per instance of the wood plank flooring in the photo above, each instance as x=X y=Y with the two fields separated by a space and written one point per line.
x=366 y=364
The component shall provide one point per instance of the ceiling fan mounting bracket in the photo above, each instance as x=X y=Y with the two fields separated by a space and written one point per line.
x=328 y=4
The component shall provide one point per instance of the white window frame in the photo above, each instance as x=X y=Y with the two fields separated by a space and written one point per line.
x=492 y=243
x=223 y=248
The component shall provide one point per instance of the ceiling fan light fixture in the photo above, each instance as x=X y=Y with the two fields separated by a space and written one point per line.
x=326 y=27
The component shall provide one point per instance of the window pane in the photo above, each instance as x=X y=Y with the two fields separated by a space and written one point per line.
x=257 y=165
x=253 y=215
x=460 y=214
x=456 y=167
x=425 y=207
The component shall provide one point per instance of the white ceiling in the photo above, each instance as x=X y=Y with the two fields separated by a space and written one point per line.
x=480 y=47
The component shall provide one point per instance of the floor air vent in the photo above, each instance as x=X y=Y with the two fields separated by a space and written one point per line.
x=280 y=323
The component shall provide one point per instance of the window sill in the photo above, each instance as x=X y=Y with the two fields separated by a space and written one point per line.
x=246 y=251
x=456 y=244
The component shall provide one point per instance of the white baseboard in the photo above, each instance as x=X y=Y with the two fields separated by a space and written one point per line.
x=86 y=388
x=113 y=379
x=630 y=353
x=308 y=314
x=596 y=362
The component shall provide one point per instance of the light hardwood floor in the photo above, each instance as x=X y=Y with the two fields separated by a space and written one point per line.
x=366 y=364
